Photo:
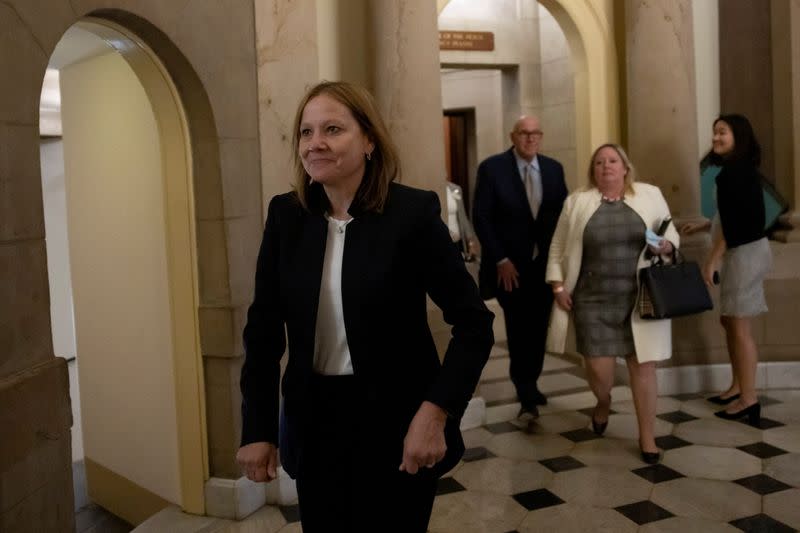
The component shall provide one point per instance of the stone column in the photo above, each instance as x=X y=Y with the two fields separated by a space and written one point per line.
x=786 y=111
x=663 y=144
x=662 y=123
x=404 y=69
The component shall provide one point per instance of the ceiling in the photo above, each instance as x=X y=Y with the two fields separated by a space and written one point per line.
x=77 y=45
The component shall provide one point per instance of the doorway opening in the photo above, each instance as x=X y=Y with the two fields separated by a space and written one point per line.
x=116 y=163
x=459 y=147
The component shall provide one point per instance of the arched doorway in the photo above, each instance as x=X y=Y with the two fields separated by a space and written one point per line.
x=588 y=28
x=589 y=31
x=130 y=250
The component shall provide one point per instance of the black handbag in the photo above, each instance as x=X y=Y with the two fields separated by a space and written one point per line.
x=670 y=290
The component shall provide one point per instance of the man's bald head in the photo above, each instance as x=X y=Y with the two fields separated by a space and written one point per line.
x=526 y=137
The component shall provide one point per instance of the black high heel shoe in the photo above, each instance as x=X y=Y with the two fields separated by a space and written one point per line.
x=752 y=412
x=651 y=458
x=719 y=400
x=599 y=427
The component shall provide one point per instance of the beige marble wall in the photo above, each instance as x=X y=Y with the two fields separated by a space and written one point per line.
x=405 y=81
x=286 y=41
x=557 y=111
x=662 y=123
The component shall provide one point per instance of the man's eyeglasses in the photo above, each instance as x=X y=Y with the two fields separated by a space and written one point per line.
x=530 y=133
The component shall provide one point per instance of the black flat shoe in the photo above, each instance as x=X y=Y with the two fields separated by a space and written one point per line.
x=651 y=458
x=599 y=427
x=719 y=400
x=752 y=412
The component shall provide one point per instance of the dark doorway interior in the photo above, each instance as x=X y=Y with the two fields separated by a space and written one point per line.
x=455 y=147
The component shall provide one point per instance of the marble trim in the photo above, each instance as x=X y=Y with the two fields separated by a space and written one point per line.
x=238 y=498
x=707 y=378
x=475 y=415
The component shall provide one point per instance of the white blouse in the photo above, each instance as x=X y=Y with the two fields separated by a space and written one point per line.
x=331 y=351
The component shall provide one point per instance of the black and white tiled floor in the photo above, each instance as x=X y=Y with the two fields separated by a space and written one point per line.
x=558 y=476
x=715 y=475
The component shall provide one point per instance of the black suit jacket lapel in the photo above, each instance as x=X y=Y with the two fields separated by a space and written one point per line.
x=308 y=275
x=547 y=189
x=361 y=241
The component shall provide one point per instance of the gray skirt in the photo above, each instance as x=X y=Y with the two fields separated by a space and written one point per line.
x=742 y=279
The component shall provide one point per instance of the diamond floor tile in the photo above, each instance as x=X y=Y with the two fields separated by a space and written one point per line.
x=476 y=454
x=537 y=499
x=670 y=442
x=448 y=485
x=676 y=417
x=562 y=464
x=763 y=423
x=762 y=450
x=761 y=523
x=580 y=435
x=763 y=484
x=657 y=473
x=644 y=512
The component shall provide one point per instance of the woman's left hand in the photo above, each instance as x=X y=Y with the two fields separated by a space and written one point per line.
x=664 y=248
x=424 y=445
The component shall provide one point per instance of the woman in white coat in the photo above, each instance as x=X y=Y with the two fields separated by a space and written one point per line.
x=597 y=250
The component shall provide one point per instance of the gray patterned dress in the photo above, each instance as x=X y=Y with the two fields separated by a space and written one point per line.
x=606 y=290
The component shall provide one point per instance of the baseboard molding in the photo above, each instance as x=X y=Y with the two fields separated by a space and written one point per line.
x=121 y=496
x=475 y=414
x=238 y=498
x=707 y=378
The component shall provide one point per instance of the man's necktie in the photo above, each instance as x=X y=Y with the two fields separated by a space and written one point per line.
x=533 y=189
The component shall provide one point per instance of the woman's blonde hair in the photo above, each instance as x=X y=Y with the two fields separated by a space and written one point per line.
x=383 y=165
x=630 y=175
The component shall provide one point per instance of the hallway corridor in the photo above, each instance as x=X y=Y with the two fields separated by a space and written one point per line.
x=715 y=475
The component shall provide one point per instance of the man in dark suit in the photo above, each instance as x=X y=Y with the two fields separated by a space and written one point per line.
x=518 y=200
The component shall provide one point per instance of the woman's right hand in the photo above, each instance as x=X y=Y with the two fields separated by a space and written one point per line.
x=258 y=461
x=564 y=300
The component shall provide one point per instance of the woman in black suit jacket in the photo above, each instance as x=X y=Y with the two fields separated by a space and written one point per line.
x=370 y=417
